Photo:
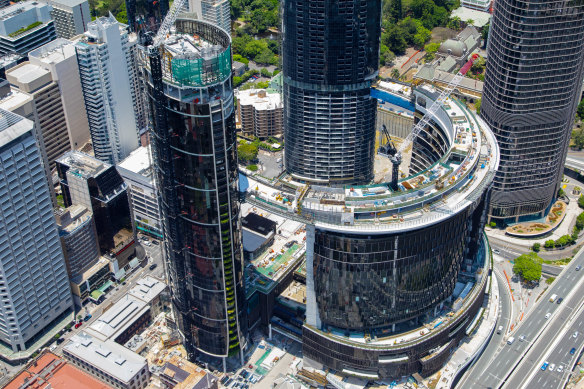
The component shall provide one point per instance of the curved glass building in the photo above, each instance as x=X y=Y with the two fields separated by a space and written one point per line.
x=532 y=87
x=395 y=279
x=194 y=150
x=330 y=54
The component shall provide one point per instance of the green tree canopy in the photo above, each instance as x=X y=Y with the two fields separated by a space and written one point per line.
x=528 y=267
x=247 y=152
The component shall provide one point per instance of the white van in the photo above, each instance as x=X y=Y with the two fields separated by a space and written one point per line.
x=510 y=340
x=553 y=298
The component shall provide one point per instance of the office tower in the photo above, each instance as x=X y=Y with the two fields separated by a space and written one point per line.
x=78 y=238
x=136 y=170
x=107 y=70
x=60 y=59
x=330 y=57
x=217 y=12
x=195 y=163
x=25 y=26
x=39 y=84
x=532 y=87
x=260 y=113
x=97 y=186
x=71 y=17
x=33 y=279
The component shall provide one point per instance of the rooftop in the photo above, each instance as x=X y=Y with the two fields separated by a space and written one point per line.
x=50 y=371
x=71 y=218
x=113 y=321
x=108 y=356
x=448 y=186
x=480 y=19
x=147 y=289
x=26 y=73
x=12 y=126
x=139 y=161
x=15 y=99
x=260 y=99
x=20 y=7
x=67 y=3
x=54 y=51
x=82 y=164
x=91 y=270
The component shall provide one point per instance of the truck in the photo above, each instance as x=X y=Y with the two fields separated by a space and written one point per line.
x=510 y=340
x=553 y=298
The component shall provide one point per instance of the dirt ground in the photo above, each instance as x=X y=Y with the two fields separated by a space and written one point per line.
x=440 y=34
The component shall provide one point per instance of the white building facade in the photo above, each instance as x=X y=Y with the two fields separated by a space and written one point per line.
x=108 y=75
x=34 y=287
x=71 y=17
x=137 y=173
x=217 y=12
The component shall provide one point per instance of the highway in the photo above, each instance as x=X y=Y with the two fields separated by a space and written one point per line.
x=558 y=354
x=496 y=342
x=507 y=357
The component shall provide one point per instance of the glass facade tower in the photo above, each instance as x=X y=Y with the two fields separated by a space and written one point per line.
x=532 y=87
x=188 y=83
x=330 y=57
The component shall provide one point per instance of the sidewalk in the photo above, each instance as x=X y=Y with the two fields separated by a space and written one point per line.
x=471 y=346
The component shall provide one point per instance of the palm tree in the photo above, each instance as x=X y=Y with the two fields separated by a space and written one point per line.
x=395 y=73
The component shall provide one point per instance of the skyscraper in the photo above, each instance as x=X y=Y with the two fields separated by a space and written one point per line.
x=532 y=87
x=217 y=12
x=195 y=163
x=108 y=79
x=330 y=57
x=71 y=17
x=34 y=287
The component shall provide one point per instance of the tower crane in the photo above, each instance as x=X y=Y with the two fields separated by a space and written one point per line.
x=394 y=153
x=166 y=24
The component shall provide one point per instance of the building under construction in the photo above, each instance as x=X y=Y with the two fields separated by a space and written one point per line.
x=188 y=83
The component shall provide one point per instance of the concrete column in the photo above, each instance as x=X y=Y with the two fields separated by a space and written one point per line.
x=312 y=316
x=393 y=327
x=270 y=331
x=224 y=364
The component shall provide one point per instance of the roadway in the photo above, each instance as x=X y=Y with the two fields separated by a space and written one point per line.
x=507 y=357
x=497 y=340
x=558 y=354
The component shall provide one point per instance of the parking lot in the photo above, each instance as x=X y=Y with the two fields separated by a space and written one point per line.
x=271 y=163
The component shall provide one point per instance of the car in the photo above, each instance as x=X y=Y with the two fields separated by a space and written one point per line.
x=573 y=350
x=155 y=242
x=124 y=283
x=250 y=366
x=145 y=239
x=53 y=347
x=544 y=366
x=87 y=317
x=495 y=251
x=522 y=338
x=560 y=369
x=578 y=268
x=78 y=324
x=575 y=334
x=560 y=300
x=60 y=340
x=147 y=243
x=500 y=329
x=153 y=266
x=552 y=367
x=547 y=315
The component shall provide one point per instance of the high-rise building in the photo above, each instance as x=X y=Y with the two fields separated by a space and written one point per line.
x=49 y=112
x=71 y=17
x=260 y=113
x=78 y=238
x=33 y=278
x=195 y=163
x=136 y=170
x=532 y=88
x=330 y=58
x=24 y=26
x=108 y=76
x=217 y=12
x=97 y=186
x=60 y=59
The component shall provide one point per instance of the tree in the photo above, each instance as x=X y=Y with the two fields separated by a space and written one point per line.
x=395 y=10
x=470 y=22
x=549 y=244
x=485 y=34
x=265 y=72
x=580 y=221
x=564 y=240
x=578 y=138
x=478 y=106
x=528 y=267
x=581 y=201
x=247 y=152
x=454 y=23
x=422 y=36
x=580 y=110
x=536 y=247
x=395 y=73
x=394 y=39
x=431 y=49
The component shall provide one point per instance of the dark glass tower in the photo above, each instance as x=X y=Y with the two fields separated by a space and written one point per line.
x=330 y=56
x=532 y=87
x=195 y=161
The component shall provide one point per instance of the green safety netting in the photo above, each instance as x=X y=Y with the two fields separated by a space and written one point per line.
x=201 y=72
